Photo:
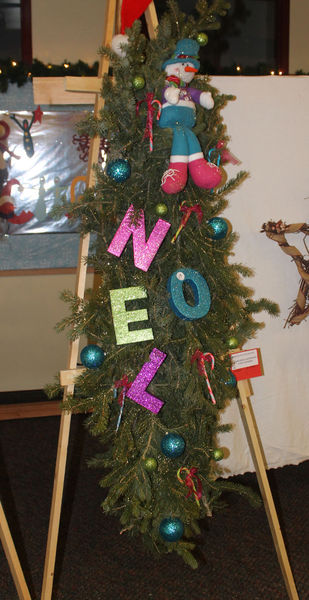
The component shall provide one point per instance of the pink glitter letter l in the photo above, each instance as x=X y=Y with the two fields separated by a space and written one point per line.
x=137 y=391
x=144 y=252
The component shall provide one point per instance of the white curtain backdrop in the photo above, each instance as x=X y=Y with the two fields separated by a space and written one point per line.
x=269 y=128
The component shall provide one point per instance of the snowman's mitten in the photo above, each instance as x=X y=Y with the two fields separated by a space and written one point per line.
x=172 y=95
x=206 y=100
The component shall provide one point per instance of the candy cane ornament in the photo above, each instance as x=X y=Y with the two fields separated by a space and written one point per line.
x=201 y=358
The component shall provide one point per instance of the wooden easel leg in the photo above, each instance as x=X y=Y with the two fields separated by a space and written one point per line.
x=257 y=454
x=151 y=20
x=63 y=441
x=12 y=558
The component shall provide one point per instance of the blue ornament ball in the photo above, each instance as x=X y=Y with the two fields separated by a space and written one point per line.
x=171 y=529
x=219 y=228
x=231 y=380
x=119 y=170
x=92 y=356
x=173 y=445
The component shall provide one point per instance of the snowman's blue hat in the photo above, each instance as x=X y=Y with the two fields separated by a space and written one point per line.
x=186 y=50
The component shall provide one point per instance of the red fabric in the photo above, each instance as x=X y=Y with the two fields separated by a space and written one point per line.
x=132 y=10
x=23 y=217
x=6 y=210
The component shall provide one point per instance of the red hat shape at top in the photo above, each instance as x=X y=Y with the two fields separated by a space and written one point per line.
x=132 y=10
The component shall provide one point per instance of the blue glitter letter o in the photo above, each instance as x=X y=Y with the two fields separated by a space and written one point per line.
x=200 y=290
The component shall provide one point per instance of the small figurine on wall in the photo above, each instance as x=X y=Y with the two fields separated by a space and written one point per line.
x=4 y=150
x=25 y=126
x=7 y=206
x=178 y=113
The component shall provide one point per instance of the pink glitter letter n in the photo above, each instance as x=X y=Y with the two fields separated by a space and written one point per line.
x=144 y=252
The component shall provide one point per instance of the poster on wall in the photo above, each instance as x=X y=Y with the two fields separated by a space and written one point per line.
x=43 y=161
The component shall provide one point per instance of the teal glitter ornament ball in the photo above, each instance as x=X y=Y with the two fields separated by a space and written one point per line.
x=119 y=170
x=92 y=356
x=173 y=445
x=232 y=381
x=219 y=228
x=171 y=529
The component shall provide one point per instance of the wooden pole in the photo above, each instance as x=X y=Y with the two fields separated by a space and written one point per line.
x=257 y=453
x=12 y=558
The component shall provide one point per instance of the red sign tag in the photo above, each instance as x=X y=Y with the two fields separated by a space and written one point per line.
x=246 y=364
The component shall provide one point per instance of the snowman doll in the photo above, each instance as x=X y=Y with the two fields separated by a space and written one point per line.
x=179 y=114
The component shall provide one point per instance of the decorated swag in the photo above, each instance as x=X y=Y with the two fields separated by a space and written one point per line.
x=170 y=305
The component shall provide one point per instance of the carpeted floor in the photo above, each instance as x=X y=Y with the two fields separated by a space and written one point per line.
x=236 y=552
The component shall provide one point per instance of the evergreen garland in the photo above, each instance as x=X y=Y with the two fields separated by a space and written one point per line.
x=142 y=497
x=12 y=71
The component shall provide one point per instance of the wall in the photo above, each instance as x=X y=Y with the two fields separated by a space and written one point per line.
x=63 y=30
x=299 y=41
x=31 y=351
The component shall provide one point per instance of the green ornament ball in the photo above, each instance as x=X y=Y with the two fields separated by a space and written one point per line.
x=138 y=82
x=202 y=39
x=232 y=343
x=218 y=454
x=161 y=209
x=150 y=464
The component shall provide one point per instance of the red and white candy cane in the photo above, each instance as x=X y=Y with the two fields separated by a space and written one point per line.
x=201 y=358
x=150 y=102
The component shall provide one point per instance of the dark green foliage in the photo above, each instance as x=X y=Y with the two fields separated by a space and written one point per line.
x=142 y=499
x=20 y=72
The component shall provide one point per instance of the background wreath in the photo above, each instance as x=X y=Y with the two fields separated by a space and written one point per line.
x=276 y=231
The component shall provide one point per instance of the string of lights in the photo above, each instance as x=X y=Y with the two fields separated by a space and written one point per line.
x=13 y=71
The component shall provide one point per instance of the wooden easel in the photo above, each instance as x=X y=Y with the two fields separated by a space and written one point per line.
x=85 y=85
x=12 y=558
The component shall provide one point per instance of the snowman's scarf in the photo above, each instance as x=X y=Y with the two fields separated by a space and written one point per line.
x=176 y=81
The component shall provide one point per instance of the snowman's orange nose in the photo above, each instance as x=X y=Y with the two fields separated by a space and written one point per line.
x=189 y=69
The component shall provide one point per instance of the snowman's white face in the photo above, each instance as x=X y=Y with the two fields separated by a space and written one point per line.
x=184 y=70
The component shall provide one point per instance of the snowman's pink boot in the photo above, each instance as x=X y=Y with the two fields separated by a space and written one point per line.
x=175 y=177
x=204 y=174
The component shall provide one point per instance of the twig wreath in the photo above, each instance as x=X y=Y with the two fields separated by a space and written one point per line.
x=276 y=231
